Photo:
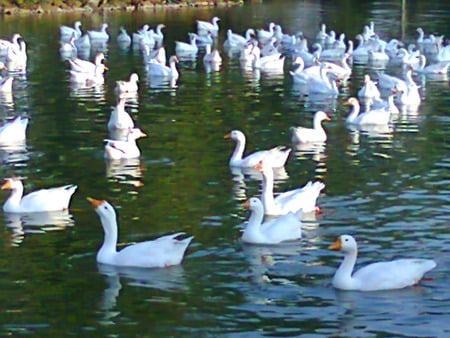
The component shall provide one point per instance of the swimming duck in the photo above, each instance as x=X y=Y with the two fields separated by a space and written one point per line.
x=159 y=253
x=127 y=87
x=284 y=228
x=308 y=135
x=116 y=150
x=14 y=131
x=386 y=275
x=276 y=157
x=304 y=198
x=371 y=117
x=51 y=199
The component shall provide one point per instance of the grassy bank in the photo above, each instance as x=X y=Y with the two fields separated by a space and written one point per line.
x=11 y=7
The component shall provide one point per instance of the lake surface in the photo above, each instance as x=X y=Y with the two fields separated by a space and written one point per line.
x=390 y=190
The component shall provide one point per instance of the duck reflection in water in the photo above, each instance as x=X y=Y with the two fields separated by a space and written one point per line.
x=21 y=224
x=127 y=171
x=170 y=279
x=85 y=92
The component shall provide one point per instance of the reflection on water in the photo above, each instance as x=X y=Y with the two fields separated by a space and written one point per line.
x=126 y=171
x=21 y=224
x=170 y=279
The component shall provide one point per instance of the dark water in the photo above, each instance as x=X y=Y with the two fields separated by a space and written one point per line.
x=391 y=191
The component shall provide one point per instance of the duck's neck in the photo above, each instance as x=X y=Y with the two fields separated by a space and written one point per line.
x=252 y=230
x=267 y=190
x=14 y=198
x=353 y=112
x=108 y=247
x=173 y=69
x=318 y=125
x=343 y=276
x=238 y=151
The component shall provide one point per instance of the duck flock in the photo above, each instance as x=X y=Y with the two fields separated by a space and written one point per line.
x=319 y=66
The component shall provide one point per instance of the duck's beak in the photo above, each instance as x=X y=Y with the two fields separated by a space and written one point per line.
x=95 y=203
x=336 y=245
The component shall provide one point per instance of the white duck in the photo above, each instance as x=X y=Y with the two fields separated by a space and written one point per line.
x=323 y=84
x=89 y=78
x=284 y=228
x=236 y=42
x=435 y=68
x=52 y=199
x=16 y=58
x=369 y=91
x=379 y=116
x=212 y=55
x=156 y=69
x=116 y=150
x=84 y=66
x=6 y=44
x=304 y=198
x=127 y=87
x=187 y=50
x=387 y=275
x=159 y=253
x=264 y=36
x=119 y=118
x=205 y=27
x=276 y=157
x=6 y=84
x=270 y=63
x=310 y=135
x=66 y=32
x=13 y=132
x=99 y=36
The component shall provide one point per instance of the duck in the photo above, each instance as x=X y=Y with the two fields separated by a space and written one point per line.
x=187 y=50
x=99 y=36
x=117 y=150
x=158 y=253
x=269 y=63
x=264 y=36
x=84 y=66
x=304 y=199
x=16 y=58
x=386 y=275
x=7 y=44
x=51 y=199
x=284 y=228
x=119 y=118
x=66 y=32
x=127 y=87
x=369 y=91
x=322 y=84
x=309 y=135
x=379 y=116
x=68 y=48
x=204 y=27
x=211 y=56
x=14 y=131
x=6 y=84
x=158 y=35
x=123 y=38
x=89 y=79
x=236 y=41
x=156 y=69
x=276 y=156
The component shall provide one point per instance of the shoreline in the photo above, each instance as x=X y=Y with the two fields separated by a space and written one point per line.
x=90 y=7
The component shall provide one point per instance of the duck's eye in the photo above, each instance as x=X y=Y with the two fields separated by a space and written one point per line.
x=346 y=239
x=105 y=207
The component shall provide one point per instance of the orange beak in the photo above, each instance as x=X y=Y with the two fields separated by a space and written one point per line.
x=227 y=136
x=95 y=203
x=246 y=204
x=336 y=245
x=6 y=185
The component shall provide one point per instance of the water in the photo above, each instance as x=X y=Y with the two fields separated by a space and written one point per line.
x=389 y=190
